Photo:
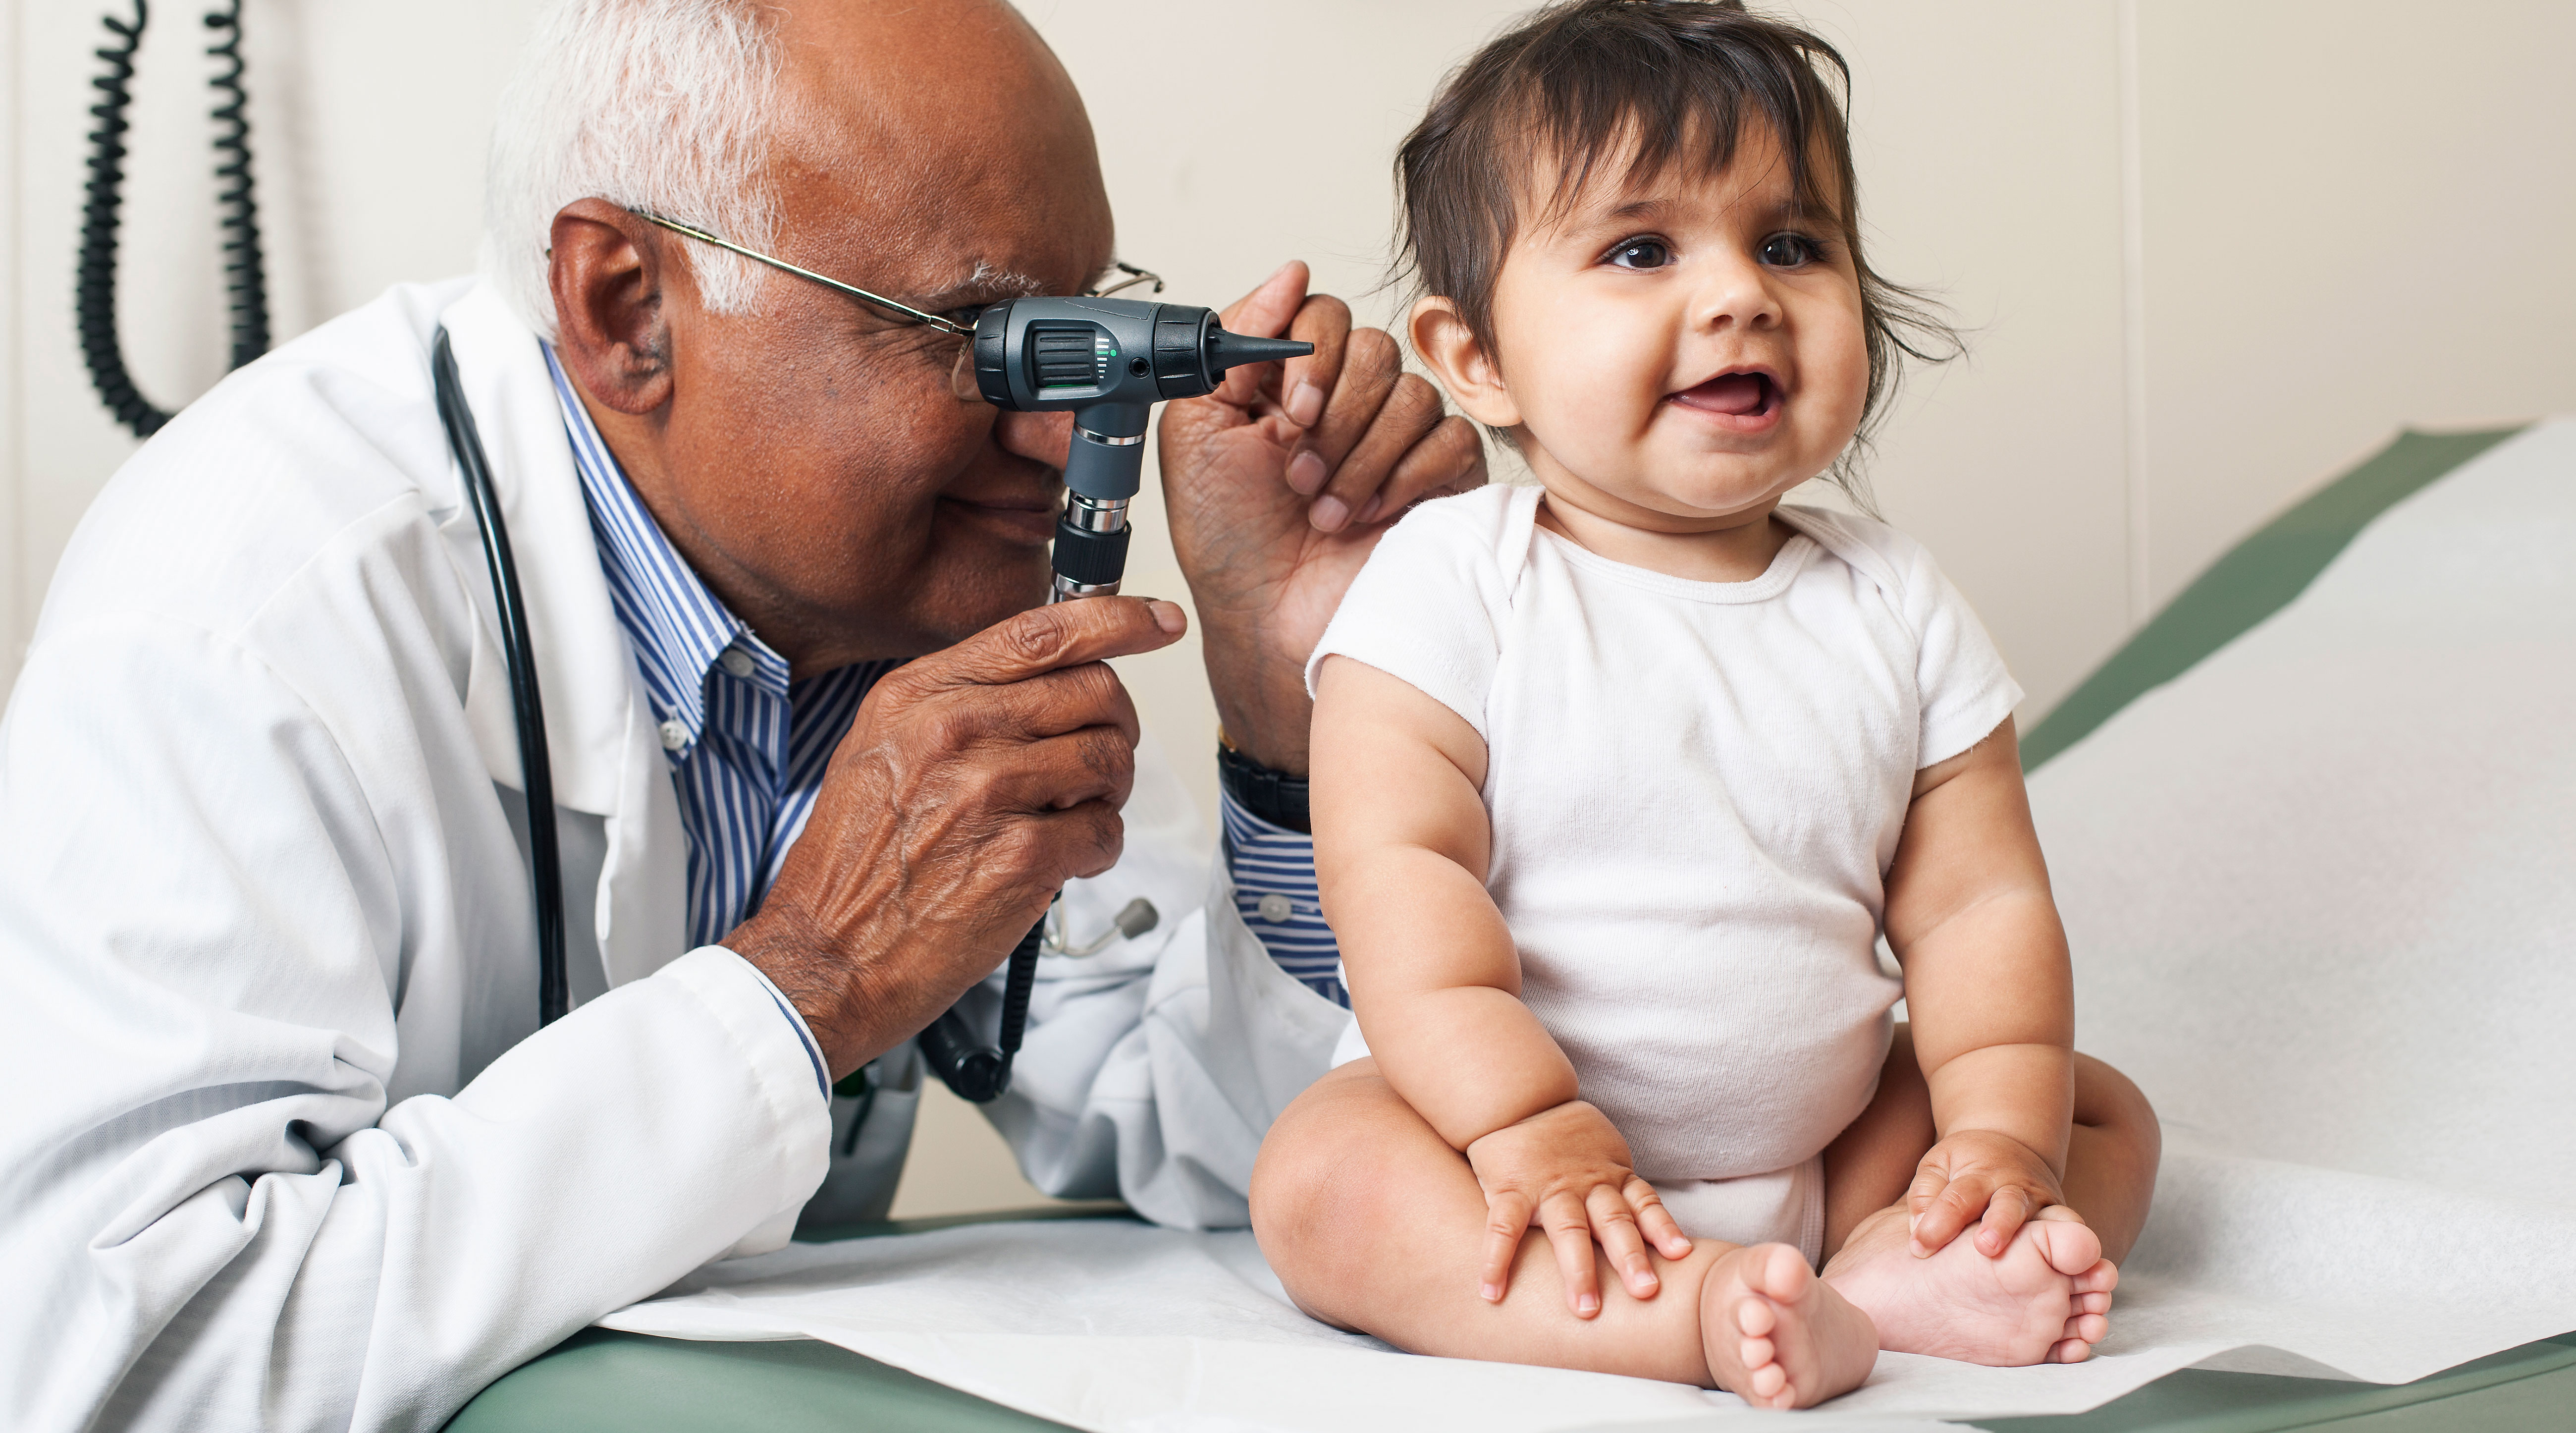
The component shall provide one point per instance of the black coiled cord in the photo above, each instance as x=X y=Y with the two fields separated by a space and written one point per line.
x=245 y=282
x=94 y=290
x=94 y=285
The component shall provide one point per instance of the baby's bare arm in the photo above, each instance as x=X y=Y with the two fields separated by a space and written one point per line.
x=1401 y=849
x=1401 y=846
x=1989 y=992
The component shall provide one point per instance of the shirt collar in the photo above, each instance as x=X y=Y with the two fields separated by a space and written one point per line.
x=679 y=628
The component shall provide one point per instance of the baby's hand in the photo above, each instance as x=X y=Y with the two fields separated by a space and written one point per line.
x=1978 y=1177
x=1568 y=1170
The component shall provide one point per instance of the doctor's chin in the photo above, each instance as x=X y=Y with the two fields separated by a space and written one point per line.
x=1520 y=714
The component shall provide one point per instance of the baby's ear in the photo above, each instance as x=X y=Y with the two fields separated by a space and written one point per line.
x=1462 y=363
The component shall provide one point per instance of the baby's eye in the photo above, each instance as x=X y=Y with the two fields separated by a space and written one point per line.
x=1640 y=254
x=1788 y=251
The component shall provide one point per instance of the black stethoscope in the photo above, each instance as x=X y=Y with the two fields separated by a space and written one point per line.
x=536 y=774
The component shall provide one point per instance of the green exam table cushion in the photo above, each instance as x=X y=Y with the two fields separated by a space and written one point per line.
x=602 y=1380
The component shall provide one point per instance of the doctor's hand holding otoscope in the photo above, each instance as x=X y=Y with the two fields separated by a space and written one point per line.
x=1010 y=754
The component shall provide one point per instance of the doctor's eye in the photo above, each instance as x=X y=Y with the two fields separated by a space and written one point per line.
x=1788 y=251
x=1639 y=254
x=964 y=317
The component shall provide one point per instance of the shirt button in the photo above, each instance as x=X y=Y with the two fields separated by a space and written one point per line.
x=736 y=661
x=1276 y=908
x=675 y=734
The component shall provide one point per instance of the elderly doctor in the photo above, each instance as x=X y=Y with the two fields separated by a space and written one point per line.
x=284 y=1145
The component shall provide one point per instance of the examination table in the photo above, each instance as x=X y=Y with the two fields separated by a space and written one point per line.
x=605 y=1379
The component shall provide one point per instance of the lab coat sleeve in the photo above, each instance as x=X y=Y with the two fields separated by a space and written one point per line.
x=215 y=1217
x=1153 y=1070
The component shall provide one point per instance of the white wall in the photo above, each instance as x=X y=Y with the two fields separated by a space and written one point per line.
x=2209 y=253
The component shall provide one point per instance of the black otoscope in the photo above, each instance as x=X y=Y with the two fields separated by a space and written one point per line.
x=1108 y=361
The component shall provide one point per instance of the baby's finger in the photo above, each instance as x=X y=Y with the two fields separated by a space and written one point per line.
x=1616 y=1227
x=1940 y=1219
x=2005 y=1213
x=1507 y=1218
x=1656 y=1222
x=1570 y=1232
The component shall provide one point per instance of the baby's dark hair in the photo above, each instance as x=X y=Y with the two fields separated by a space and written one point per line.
x=1666 y=82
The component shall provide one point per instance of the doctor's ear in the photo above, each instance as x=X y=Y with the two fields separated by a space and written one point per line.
x=1462 y=362
x=606 y=272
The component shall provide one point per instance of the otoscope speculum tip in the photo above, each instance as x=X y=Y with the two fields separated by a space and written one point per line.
x=1233 y=350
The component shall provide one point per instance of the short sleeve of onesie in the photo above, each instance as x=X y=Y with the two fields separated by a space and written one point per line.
x=1429 y=606
x=1959 y=677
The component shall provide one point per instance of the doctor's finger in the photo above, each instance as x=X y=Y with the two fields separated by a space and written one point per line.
x=1507 y=1218
x=1569 y=1232
x=1450 y=458
x=1056 y=774
x=1615 y=1225
x=1411 y=412
x=1369 y=373
x=1049 y=704
x=1302 y=387
x=1042 y=639
x=1070 y=845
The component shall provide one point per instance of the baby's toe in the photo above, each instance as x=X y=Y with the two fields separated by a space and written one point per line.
x=1769 y=1380
x=2091 y=1328
x=2072 y=1249
x=2101 y=1278
x=1755 y=1317
x=2092 y=1303
x=2073 y=1350
x=1780 y=1272
x=1757 y=1353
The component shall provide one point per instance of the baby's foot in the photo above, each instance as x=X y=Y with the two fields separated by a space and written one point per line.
x=1775 y=1335
x=2046 y=1299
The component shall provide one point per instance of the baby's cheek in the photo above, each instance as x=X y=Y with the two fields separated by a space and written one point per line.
x=1592 y=406
x=1833 y=361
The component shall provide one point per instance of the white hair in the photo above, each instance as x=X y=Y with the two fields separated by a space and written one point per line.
x=666 y=106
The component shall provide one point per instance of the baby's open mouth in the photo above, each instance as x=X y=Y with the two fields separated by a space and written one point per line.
x=1737 y=395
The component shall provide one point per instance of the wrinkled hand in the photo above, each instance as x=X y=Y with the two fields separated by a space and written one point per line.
x=1567 y=1170
x=1978 y=1177
x=971 y=786
x=1280 y=482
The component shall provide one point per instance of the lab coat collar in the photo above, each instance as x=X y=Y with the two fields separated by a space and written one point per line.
x=600 y=738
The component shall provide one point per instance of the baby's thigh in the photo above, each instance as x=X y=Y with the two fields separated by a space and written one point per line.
x=1354 y=1191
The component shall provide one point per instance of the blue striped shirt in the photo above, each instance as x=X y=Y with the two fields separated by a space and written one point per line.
x=1274 y=889
x=747 y=744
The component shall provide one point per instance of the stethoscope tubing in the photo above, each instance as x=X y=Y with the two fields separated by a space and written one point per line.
x=536 y=772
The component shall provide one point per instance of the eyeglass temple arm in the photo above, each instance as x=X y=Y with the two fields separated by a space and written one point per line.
x=853 y=290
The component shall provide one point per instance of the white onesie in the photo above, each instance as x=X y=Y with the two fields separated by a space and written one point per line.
x=1695 y=790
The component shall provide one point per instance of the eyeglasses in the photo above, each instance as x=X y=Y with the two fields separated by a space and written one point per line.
x=1131 y=276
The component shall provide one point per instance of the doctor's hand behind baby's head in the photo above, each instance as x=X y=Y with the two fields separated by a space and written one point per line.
x=1618 y=781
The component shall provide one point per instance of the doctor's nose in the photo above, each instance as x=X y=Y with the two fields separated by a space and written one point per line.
x=1046 y=437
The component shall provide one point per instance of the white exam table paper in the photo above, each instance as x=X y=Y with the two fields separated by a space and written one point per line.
x=2322 y=891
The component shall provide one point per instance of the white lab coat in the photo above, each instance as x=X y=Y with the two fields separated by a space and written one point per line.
x=282 y=1146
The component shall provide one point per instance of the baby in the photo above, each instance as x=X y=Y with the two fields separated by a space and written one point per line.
x=1618 y=780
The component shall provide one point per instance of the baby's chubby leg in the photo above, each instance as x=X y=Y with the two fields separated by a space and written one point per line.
x=1373 y=1222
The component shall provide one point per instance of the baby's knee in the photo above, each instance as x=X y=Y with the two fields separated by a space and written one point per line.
x=2109 y=1101
x=1305 y=1173
x=1312 y=1189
